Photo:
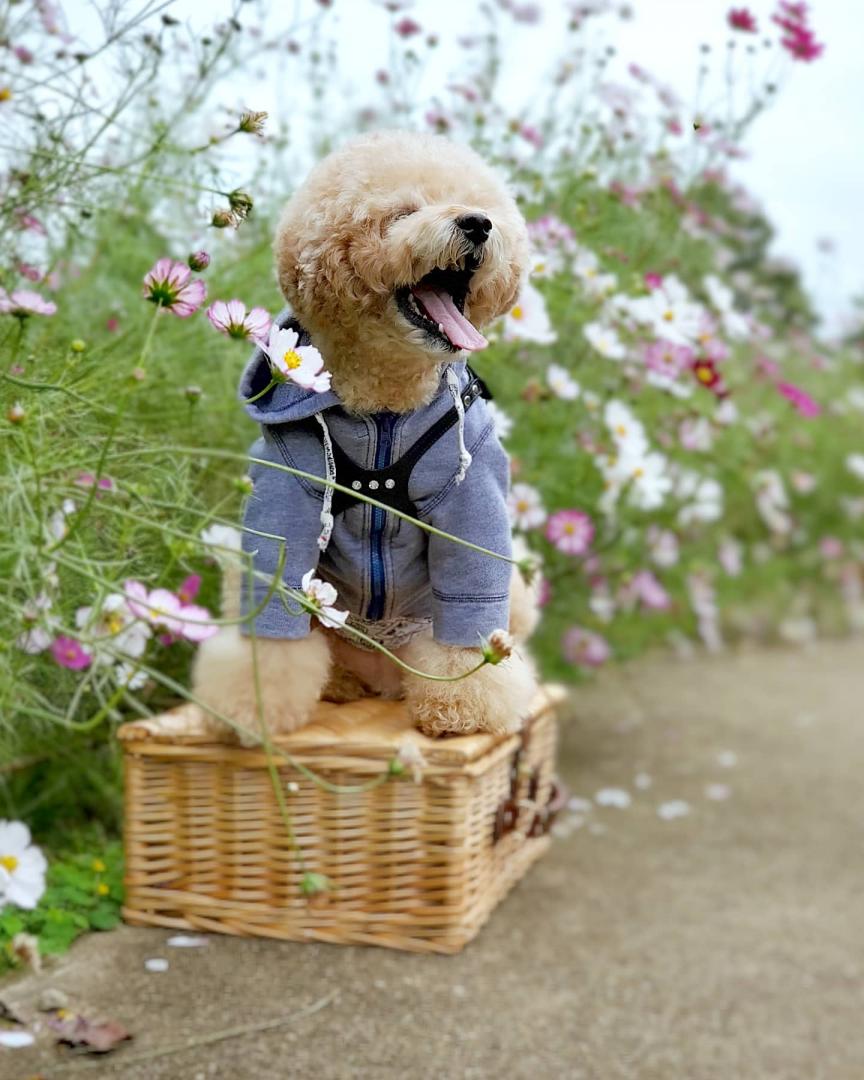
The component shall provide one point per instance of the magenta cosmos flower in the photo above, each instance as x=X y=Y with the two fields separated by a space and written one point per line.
x=571 y=531
x=70 y=653
x=798 y=39
x=168 y=283
x=231 y=318
x=585 y=648
x=742 y=19
x=25 y=302
x=800 y=399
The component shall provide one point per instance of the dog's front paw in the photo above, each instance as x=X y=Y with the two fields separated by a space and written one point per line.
x=495 y=699
x=290 y=678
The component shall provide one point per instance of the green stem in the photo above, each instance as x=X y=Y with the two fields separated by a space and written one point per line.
x=231 y=455
x=266 y=390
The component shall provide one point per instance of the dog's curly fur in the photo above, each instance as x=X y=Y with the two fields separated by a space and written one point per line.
x=372 y=218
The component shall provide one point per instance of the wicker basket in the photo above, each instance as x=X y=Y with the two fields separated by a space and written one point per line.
x=413 y=865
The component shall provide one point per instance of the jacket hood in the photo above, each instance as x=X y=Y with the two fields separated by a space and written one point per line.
x=287 y=401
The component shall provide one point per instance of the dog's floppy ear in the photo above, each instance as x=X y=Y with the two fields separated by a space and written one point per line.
x=286 y=249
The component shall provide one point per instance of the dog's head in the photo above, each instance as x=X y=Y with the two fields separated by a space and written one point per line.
x=401 y=243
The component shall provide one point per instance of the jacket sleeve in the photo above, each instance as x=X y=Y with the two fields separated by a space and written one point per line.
x=282 y=508
x=471 y=591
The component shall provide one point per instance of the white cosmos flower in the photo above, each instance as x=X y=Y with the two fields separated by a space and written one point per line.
x=855 y=465
x=324 y=596
x=772 y=501
x=528 y=319
x=545 y=264
x=736 y=325
x=22 y=867
x=702 y=496
x=38 y=620
x=560 y=383
x=502 y=423
x=115 y=624
x=604 y=339
x=289 y=361
x=670 y=313
x=128 y=675
x=663 y=547
x=526 y=507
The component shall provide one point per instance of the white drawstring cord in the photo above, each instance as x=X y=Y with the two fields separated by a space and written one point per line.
x=456 y=393
x=327 y=520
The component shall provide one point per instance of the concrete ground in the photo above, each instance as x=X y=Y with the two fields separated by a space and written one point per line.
x=721 y=938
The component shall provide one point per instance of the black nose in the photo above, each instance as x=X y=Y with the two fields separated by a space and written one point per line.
x=475 y=226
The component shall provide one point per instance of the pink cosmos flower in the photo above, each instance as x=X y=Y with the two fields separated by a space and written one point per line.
x=571 y=531
x=531 y=135
x=652 y=279
x=830 y=547
x=112 y=325
x=168 y=283
x=800 y=400
x=70 y=654
x=741 y=19
x=159 y=607
x=24 y=302
x=31 y=272
x=667 y=358
x=166 y=611
x=407 y=27
x=644 y=588
x=230 y=317
x=767 y=367
x=87 y=480
x=585 y=648
x=196 y=623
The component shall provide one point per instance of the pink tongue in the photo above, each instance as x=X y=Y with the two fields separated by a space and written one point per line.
x=440 y=307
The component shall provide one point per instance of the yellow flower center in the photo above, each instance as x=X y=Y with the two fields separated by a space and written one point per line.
x=5 y=93
x=114 y=623
x=668 y=315
x=637 y=472
x=704 y=374
x=291 y=360
x=521 y=506
x=621 y=430
x=517 y=312
x=102 y=889
x=569 y=528
x=9 y=862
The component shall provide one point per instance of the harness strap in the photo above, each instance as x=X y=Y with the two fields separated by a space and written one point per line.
x=390 y=485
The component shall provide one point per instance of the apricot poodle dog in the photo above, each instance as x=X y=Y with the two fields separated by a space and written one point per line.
x=392 y=256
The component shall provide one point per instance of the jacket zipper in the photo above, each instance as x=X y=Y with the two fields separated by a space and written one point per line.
x=384 y=424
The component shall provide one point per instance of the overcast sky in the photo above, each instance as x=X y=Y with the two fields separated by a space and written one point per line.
x=806 y=163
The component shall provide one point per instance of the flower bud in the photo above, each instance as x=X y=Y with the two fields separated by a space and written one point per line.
x=244 y=485
x=223 y=219
x=78 y=345
x=312 y=884
x=16 y=413
x=241 y=203
x=252 y=122
x=497 y=647
x=198 y=260
x=192 y=394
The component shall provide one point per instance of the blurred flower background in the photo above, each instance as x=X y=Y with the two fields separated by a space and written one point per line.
x=684 y=410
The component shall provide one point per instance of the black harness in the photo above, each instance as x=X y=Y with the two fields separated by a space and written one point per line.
x=390 y=484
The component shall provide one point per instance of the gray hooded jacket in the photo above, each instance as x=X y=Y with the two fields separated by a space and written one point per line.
x=387 y=571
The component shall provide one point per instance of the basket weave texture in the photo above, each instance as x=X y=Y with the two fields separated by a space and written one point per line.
x=412 y=865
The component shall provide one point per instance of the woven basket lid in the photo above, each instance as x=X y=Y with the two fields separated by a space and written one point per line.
x=370 y=728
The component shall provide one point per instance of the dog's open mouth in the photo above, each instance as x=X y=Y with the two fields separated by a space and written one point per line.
x=436 y=305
